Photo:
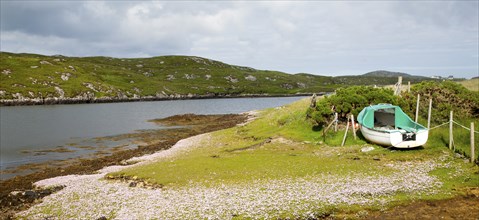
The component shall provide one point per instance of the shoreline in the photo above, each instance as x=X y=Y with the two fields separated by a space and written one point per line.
x=66 y=101
x=19 y=193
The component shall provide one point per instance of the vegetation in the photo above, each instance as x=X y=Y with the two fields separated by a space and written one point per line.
x=471 y=84
x=350 y=100
x=281 y=144
x=446 y=96
x=32 y=76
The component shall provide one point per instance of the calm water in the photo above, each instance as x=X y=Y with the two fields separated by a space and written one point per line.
x=26 y=129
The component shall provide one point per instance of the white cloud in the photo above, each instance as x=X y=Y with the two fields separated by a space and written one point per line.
x=317 y=37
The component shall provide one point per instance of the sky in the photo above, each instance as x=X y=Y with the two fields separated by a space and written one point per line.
x=317 y=37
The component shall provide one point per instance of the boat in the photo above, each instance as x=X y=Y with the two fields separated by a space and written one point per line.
x=388 y=125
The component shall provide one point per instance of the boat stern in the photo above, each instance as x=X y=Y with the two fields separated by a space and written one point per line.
x=409 y=139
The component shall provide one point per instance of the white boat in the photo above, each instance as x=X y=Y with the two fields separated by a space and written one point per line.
x=388 y=125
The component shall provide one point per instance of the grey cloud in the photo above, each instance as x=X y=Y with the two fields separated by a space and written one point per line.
x=316 y=37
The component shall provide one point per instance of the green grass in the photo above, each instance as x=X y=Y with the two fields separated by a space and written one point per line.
x=143 y=77
x=237 y=155
x=471 y=84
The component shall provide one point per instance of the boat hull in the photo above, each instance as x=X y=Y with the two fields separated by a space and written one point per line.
x=394 y=138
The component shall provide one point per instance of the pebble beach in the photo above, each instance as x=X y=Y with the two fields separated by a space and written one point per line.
x=93 y=196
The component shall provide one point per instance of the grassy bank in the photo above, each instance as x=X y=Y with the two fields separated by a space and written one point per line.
x=282 y=146
x=51 y=79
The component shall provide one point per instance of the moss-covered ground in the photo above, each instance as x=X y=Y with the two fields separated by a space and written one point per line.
x=281 y=144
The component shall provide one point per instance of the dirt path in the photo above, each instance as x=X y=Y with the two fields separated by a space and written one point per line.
x=462 y=207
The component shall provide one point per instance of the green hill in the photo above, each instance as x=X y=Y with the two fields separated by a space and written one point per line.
x=471 y=84
x=32 y=78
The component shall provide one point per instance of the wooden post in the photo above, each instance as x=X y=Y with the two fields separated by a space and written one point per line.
x=326 y=130
x=417 y=107
x=473 y=156
x=345 y=134
x=450 y=131
x=429 y=114
x=353 y=126
x=408 y=86
x=398 y=86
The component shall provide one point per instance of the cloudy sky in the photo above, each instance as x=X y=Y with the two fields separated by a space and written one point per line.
x=319 y=37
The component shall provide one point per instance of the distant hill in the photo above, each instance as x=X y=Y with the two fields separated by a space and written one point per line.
x=61 y=79
x=384 y=73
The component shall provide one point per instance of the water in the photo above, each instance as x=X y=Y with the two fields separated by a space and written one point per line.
x=29 y=133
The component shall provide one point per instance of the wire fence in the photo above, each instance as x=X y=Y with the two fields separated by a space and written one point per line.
x=452 y=143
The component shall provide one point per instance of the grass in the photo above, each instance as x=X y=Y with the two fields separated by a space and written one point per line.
x=277 y=166
x=462 y=142
x=243 y=154
x=471 y=84
x=35 y=76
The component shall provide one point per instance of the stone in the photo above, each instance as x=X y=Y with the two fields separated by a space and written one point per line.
x=132 y=184
x=29 y=194
x=6 y=72
x=313 y=101
x=367 y=149
x=250 y=78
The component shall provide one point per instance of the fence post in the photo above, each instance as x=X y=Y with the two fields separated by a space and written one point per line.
x=353 y=126
x=450 y=131
x=417 y=107
x=473 y=156
x=398 y=86
x=429 y=114
x=345 y=133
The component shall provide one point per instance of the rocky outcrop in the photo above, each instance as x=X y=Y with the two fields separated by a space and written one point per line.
x=89 y=97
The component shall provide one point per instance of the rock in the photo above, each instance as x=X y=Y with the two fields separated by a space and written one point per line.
x=147 y=74
x=132 y=81
x=250 y=78
x=313 y=101
x=65 y=76
x=132 y=184
x=208 y=77
x=356 y=158
x=190 y=76
x=231 y=79
x=139 y=65
x=60 y=92
x=6 y=72
x=287 y=86
x=301 y=85
x=170 y=77
x=72 y=68
x=30 y=194
x=15 y=193
x=44 y=62
x=367 y=149
x=102 y=218
x=33 y=67
x=376 y=158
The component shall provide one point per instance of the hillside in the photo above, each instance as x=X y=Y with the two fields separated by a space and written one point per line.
x=384 y=73
x=54 y=79
x=471 y=84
